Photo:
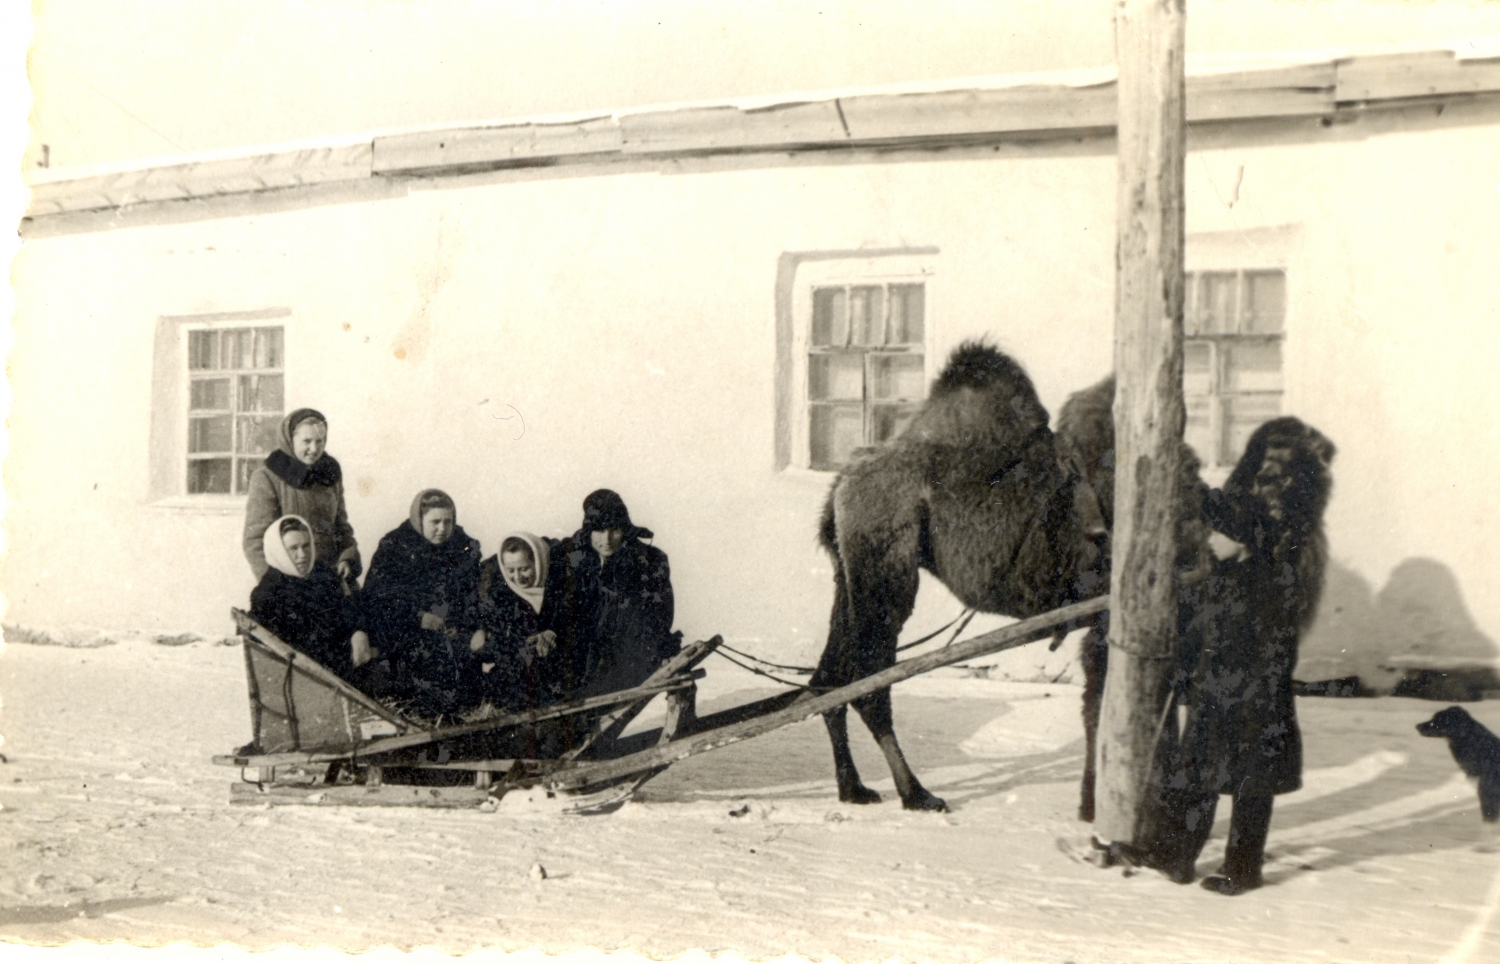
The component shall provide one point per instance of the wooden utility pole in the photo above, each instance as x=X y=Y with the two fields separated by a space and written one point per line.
x=1149 y=412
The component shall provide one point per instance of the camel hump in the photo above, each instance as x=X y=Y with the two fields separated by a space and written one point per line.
x=976 y=365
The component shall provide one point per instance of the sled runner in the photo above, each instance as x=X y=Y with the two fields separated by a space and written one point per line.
x=319 y=740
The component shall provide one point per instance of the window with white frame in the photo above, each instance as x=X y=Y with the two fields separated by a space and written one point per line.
x=1234 y=324
x=235 y=405
x=866 y=366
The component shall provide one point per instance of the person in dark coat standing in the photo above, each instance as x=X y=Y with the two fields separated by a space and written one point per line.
x=1239 y=635
x=619 y=607
x=303 y=601
x=521 y=596
x=301 y=479
x=421 y=605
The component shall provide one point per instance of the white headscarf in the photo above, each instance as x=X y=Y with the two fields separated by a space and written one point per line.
x=276 y=555
x=540 y=555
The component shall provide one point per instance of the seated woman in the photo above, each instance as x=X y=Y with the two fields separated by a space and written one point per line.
x=521 y=596
x=619 y=607
x=303 y=601
x=421 y=606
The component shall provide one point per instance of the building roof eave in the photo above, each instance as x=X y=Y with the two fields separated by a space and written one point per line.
x=937 y=114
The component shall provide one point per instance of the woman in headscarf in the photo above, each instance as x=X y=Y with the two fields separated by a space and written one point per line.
x=301 y=479
x=302 y=601
x=521 y=594
x=619 y=608
x=421 y=607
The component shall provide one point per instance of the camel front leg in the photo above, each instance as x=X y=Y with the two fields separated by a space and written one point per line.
x=875 y=710
x=851 y=790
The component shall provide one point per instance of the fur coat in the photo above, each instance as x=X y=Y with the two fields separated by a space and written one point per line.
x=619 y=615
x=410 y=576
x=311 y=614
x=519 y=678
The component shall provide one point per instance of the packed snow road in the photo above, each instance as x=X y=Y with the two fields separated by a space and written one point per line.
x=116 y=827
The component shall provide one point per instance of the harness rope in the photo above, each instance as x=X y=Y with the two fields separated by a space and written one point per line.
x=962 y=619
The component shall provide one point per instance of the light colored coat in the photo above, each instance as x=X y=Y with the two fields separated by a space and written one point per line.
x=272 y=497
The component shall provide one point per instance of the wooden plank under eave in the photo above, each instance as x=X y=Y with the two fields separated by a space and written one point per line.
x=1299 y=90
x=885 y=117
x=230 y=175
x=729 y=127
x=1426 y=74
x=477 y=146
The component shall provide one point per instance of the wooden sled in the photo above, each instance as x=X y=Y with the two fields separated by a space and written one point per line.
x=317 y=739
x=311 y=727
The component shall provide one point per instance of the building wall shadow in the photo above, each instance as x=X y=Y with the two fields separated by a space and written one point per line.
x=1419 y=612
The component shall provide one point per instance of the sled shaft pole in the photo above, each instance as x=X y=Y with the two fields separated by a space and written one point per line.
x=1026 y=631
x=1149 y=410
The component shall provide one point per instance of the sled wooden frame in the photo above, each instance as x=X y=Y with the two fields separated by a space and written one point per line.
x=412 y=745
x=612 y=780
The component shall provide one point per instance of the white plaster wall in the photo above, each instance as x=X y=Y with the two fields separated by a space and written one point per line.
x=629 y=320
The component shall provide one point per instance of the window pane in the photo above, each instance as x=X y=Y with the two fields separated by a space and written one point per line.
x=1199 y=433
x=1253 y=366
x=866 y=315
x=1197 y=367
x=1265 y=301
x=203 y=350
x=210 y=394
x=887 y=421
x=908 y=305
x=258 y=433
x=1216 y=302
x=897 y=377
x=242 y=470
x=830 y=317
x=260 y=393
x=209 y=434
x=235 y=349
x=836 y=377
x=268 y=348
x=208 y=475
x=1243 y=414
x=836 y=431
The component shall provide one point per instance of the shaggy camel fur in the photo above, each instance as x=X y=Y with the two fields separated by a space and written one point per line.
x=971 y=491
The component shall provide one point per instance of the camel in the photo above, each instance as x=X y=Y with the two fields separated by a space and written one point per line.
x=972 y=491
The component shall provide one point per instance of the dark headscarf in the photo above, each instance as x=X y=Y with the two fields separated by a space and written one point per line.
x=292 y=470
x=604 y=509
x=429 y=499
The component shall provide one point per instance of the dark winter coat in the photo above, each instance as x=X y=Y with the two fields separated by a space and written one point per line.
x=619 y=619
x=519 y=678
x=1239 y=644
x=410 y=576
x=310 y=614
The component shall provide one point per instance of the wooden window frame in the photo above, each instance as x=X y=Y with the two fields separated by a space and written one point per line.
x=195 y=376
x=1219 y=394
x=884 y=271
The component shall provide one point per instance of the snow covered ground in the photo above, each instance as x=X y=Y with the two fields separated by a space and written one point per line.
x=115 y=827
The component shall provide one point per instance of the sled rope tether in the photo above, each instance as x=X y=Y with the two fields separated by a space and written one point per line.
x=962 y=619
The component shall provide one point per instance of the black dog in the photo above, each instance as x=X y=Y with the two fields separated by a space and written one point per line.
x=1477 y=751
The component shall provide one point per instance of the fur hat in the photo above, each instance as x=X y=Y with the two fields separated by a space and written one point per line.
x=604 y=509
